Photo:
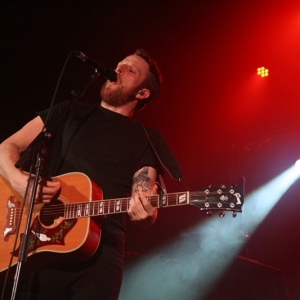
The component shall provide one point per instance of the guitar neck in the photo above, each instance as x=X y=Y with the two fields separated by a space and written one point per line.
x=230 y=199
x=120 y=205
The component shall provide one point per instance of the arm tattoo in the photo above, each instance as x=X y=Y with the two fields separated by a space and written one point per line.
x=142 y=181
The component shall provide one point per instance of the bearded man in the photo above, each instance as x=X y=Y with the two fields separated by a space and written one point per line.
x=112 y=149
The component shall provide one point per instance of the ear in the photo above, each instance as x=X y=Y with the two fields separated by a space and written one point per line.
x=142 y=94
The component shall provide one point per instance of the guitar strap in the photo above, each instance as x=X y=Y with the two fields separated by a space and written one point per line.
x=163 y=153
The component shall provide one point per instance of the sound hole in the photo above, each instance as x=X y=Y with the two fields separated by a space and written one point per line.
x=51 y=211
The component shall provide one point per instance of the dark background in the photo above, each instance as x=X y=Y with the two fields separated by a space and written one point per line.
x=219 y=118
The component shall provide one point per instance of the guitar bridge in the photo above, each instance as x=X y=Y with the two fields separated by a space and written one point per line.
x=12 y=217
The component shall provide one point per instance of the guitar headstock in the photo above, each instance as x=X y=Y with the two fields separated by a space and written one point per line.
x=222 y=199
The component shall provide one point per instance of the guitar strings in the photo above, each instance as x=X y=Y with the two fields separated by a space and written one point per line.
x=103 y=207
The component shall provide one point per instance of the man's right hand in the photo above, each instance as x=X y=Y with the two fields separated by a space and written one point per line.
x=46 y=189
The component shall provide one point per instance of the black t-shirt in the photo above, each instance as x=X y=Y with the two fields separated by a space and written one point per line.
x=108 y=147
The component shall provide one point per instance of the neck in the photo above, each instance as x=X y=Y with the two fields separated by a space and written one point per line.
x=125 y=110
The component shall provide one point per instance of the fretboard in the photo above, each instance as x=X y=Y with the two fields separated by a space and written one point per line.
x=120 y=205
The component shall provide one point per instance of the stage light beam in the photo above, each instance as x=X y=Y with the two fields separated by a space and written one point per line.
x=189 y=267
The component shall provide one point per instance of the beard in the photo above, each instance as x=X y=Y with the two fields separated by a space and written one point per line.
x=117 y=96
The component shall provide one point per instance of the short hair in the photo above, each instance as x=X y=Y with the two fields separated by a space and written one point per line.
x=153 y=80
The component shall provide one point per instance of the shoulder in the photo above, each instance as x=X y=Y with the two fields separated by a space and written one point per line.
x=153 y=134
x=67 y=108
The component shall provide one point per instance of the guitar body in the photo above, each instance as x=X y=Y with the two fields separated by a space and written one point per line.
x=51 y=236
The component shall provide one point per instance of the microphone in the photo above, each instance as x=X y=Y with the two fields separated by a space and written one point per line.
x=107 y=73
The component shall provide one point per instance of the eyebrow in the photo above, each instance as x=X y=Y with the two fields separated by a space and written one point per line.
x=131 y=64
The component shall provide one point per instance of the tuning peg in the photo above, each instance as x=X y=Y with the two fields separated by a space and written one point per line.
x=222 y=214
x=209 y=213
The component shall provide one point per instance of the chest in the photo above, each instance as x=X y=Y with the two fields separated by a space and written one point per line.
x=102 y=140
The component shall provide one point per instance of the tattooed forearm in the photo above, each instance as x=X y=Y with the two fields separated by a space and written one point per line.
x=142 y=181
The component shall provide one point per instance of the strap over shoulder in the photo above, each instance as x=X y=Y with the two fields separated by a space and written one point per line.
x=163 y=153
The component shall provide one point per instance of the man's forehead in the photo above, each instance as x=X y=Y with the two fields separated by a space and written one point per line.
x=135 y=60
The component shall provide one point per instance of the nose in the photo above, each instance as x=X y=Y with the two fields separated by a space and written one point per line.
x=119 y=70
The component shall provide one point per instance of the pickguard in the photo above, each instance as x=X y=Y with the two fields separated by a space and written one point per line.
x=40 y=236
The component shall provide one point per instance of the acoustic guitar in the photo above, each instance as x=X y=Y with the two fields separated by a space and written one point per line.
x=65 y=229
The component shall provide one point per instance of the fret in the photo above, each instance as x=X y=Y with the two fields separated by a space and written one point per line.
x=170 y=200
x=100 y=207
x=106 y=205
x=70 y=211
x=86 y=210
x=110 y=206
x=154 y=200
x=97 y=209
x=118 y=205
x=93 y=213
x=66 y=214
x=79 y=210
x=73 y=210
x=89 y=209
x=125 y=204
x=97 y=212
x=113 y=205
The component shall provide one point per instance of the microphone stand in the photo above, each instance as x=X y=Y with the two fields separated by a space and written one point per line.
x=36 y=149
